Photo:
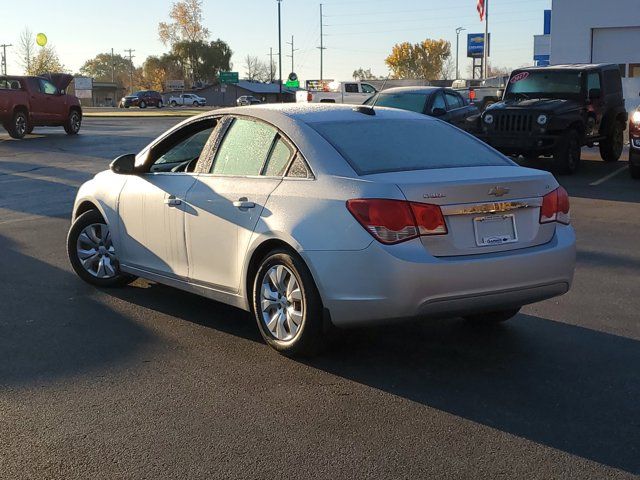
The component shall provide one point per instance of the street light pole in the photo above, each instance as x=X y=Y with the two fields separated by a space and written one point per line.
x=458 y=30
x=4 y=57
x=280 y=48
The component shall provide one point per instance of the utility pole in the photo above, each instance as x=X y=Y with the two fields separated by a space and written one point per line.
x=458 y=30
x=271 y=65
x=280 y=48
x=292 y=50
x=130 y=51
x=321 y=47
x=113 y=68
x=4 y=57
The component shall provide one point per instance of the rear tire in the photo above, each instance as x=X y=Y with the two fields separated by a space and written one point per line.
x=287 y=306
x=174 y=104
x=566 y=157
x=18 y=125
x=73 y=123
x=490 y=318
x=611 y=147
x=99 y=264
x=196 y=104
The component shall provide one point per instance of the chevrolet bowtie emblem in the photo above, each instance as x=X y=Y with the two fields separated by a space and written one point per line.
x=499 y=191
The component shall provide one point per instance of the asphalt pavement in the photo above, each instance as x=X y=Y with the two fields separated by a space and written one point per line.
x=151 y=382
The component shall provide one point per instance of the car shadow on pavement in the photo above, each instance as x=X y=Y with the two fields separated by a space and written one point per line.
x=51 y=327
x=567 y=387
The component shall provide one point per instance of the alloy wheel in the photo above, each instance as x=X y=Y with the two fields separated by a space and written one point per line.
x=21 y=124
x=74 y=121
x=282 y=303
x=95 y=251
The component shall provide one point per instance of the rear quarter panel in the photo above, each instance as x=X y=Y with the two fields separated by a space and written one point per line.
x=9 y=99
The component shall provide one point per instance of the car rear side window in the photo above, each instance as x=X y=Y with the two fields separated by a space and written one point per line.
x=453 y=100
x=244 y=149
x=391 y=145
x=278 y=159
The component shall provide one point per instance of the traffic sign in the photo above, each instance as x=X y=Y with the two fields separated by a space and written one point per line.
x=228 y=77
x=292 y=81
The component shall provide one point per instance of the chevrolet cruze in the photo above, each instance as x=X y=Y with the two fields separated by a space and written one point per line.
x=314 y=216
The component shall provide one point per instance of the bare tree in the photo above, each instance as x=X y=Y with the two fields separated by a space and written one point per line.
x=257 y=70
x=448 y=69
x=26 y=49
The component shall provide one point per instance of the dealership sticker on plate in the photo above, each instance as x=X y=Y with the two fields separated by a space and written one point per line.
x=519 y=76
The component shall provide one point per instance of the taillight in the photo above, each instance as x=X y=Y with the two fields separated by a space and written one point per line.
x=555 y=207
x=472 y=95
x=395 y=221
x=309 y=96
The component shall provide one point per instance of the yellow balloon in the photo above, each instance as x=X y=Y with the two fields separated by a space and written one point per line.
x=41 y=39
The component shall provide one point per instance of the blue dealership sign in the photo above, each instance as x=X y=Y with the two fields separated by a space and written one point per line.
x=475 y=45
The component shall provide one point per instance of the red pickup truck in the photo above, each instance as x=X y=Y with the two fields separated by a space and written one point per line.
x=27 y=102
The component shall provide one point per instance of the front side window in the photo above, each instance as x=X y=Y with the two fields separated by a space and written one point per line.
x=453 y=100
x=188 y=150
x=438 y=102
x=47 y=87
x=366 y=88
x=244 y=149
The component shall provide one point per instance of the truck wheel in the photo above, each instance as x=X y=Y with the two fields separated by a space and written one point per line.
x=611 y=147
x=566 y=157
x=72 y=125
x=29 y=128
x=18 y=125
x=174 y=103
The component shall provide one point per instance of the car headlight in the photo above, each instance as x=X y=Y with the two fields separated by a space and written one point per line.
x=488 y=119
x=542 y=119
x=635 y=118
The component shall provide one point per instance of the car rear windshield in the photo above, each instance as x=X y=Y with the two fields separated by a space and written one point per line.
x=393 y=145
x=414 y=102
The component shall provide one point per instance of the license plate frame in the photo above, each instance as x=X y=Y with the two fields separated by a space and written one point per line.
x=504 y=230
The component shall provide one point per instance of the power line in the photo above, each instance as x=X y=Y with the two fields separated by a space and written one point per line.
x=131 y=57
x=321 y=47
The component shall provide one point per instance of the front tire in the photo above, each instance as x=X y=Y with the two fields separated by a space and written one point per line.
x=611 y=147
x=174 y=104
x=92 y=254
x=160 y=105
x=566 y=158
x=18 y=125
x=287 y=305
x=142 y=104
x=73 y=123
x=490 y=318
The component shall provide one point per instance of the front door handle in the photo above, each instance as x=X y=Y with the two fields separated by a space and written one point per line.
x=172 y=201
x=243 y=203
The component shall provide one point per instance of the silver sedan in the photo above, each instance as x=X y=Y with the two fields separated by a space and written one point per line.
x=314 y=216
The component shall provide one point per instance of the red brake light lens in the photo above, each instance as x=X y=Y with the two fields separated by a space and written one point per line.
x=395 y=221
x=309 y=97
x=555 y=207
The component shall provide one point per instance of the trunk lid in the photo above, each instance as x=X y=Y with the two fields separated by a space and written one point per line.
x=486 y=209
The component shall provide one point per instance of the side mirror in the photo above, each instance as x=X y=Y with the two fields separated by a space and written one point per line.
x=594 y=94
x=124 y=164
x=438 y=112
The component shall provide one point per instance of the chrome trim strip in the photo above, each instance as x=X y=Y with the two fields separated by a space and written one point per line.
x=490 y=207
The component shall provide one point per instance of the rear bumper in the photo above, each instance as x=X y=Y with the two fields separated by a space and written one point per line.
x=385 y=283
x=521 y=144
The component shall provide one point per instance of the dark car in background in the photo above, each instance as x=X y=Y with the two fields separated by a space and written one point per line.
x=142 y=99
x=246 y=100
x=443 y=103
x=554 y=111
x=634 y=144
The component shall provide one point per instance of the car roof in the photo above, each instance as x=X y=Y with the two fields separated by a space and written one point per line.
x=427 y=90
x=574 y=66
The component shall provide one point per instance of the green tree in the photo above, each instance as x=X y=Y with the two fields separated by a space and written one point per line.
x=424 y=60
x=202 y=60
x=100 y=68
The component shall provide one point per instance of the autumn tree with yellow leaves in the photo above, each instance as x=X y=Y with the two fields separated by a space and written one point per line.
x=423 y=60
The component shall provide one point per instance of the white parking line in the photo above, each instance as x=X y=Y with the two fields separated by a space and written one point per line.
x=607 y=177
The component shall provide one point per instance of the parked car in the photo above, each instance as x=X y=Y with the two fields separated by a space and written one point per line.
x=482 y=93
x=554 y=111
x=187 y=99
x=142 y=99
x=245 y=100
x=319 y=216
x=444 y=103
x=28 y=102
x=355 y=93
x=634 y=144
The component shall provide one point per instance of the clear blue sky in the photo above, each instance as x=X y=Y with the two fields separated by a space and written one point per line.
x=359 y=33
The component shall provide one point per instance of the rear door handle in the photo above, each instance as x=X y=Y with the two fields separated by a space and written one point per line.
x=172 y=201
x=243 y=203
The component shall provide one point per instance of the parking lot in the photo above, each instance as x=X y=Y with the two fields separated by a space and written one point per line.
x=151 y=382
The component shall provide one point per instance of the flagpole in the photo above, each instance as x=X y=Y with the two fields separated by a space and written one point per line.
x=485 y=53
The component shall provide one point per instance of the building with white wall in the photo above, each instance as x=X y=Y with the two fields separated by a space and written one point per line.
x=597 y=31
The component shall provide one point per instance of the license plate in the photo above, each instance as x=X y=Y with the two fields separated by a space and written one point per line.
x=495 y=230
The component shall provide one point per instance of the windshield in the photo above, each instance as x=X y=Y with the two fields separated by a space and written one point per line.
x=414 y=102
x=538 y=84
x=377 y=146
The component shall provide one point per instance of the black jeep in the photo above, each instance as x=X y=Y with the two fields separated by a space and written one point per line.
x=554 y=111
